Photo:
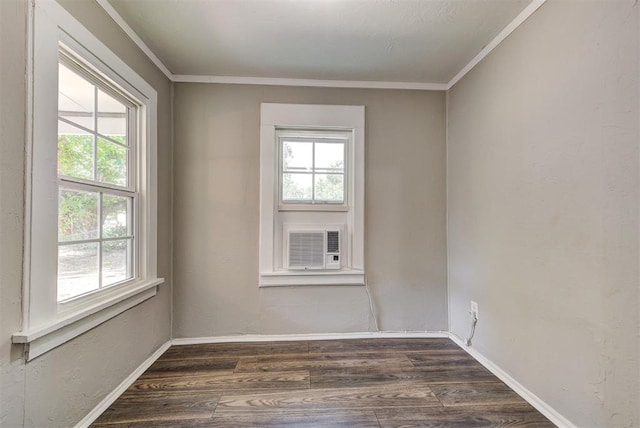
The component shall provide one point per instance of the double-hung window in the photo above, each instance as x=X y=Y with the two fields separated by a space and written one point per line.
x=97 y=193
x=91 y=184
x=312 y=167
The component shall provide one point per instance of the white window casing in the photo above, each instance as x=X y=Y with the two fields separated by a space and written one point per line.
x=47 y=323
x=277 y=216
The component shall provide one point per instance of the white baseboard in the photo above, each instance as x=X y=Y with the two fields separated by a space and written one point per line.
x=113 y=395
x=548 y=411
x=309 y=336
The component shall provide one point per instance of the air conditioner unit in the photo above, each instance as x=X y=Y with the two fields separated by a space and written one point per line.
x=313 y=249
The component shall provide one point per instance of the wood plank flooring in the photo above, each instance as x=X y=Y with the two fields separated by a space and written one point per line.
x=334 y=383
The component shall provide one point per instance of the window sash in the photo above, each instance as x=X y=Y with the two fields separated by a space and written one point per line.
x=102 y=188
x=70 y=60
x=339 y=137
x=130 y=236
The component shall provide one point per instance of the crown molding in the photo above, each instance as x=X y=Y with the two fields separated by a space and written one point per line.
x=522 y=16
x=134 y=37
x=362 y=84
x=273 y=81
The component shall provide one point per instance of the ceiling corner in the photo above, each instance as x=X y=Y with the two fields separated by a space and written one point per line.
x=119 y=20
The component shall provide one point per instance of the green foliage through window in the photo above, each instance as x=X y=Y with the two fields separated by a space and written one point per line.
x=78 y=210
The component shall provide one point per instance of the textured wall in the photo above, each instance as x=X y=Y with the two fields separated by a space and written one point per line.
x=13 y=15
x=543 y=208
x=62 y=386
x=216 y=177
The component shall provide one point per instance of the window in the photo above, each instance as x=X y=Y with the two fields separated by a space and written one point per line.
x=311 y=180
x=90 y=235
x=312 y=167
x=96 y=186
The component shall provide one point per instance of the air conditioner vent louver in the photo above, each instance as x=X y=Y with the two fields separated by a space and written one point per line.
x=333 y=241
x=313 y=249
x=305 y=249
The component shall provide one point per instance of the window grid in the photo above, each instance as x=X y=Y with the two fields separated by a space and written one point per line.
x=313 y=171
x=128 y=192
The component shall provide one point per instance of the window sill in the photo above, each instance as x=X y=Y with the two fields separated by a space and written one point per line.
x=313 y=207
x=295 y=278
x=45 y=337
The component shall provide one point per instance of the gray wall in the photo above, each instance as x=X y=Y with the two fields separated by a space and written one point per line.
x=543 y=208
x=12 y=120
x=216 y=178
x=62 y=386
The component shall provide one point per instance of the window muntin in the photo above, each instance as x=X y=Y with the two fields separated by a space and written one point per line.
x=97 y=192
x=312 y=168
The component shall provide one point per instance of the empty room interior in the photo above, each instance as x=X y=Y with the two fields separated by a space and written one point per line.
x=320 y=213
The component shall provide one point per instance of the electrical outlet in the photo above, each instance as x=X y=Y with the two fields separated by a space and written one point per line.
x=474 y=308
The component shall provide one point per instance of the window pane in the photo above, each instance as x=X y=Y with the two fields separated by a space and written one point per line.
x=296 y=187
x=77 y=270
x=112 y=118
x=77 y=215
x=297 y=156
x=75 y=152
x=116 y=261
x=329 y=157
x=329 y=187
x=75 y=97
x=111 y=163
x=116 y=216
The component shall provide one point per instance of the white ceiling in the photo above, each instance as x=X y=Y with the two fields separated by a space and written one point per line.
x=421 y=41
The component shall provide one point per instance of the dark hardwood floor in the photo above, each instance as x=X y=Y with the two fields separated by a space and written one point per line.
x=335 y=383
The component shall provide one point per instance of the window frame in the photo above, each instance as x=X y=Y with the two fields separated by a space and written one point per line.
x=70 y=59
x=46 y=323
x=313 y=137
x=311 y=117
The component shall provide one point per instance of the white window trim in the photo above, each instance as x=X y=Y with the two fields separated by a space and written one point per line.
x=273 y=117
x=46 y=323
